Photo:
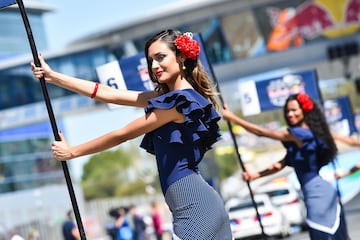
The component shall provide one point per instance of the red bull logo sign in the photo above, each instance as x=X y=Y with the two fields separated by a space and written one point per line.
x=328 y=18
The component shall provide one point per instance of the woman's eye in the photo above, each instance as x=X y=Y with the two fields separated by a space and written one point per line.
x=160 y=57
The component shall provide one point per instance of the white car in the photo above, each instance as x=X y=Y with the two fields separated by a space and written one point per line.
x=288 y=200
x=244 y=221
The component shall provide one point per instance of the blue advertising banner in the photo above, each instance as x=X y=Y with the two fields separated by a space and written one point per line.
x=339 y=115
x=5 y=3
x=269 y=94
x=135 y=73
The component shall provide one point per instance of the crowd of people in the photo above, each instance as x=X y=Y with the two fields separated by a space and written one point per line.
x=130 y=224
x=180 y=125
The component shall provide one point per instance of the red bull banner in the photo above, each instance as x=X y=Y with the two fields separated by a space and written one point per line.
x=270 y=94
x=287 y=25
x=5 y=3
x=339 y=115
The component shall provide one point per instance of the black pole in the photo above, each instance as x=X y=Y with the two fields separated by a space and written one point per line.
x=235 y=143
x=52 y=118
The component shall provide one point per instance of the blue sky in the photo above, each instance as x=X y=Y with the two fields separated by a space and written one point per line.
x=74 y=19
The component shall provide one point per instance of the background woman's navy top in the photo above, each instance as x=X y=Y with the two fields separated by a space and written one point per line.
x=179 y=147
x=304 y=159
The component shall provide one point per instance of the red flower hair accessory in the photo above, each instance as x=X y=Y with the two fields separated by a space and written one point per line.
x=187 y=46
x=305 y=102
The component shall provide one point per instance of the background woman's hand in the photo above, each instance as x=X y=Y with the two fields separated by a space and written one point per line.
x=43 y=71
x=338 y=175
x=247 y=176
x=61 y=149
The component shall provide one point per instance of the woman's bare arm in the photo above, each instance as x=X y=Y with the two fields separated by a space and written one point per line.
x=346 y=139
x=273 y=168
x=63 y=151
x=100 y=92
x=282 y=135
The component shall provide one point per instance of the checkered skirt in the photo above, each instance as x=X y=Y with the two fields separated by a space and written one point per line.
x=198 y=210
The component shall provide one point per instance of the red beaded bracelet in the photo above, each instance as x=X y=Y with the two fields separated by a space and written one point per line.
x=95 y=90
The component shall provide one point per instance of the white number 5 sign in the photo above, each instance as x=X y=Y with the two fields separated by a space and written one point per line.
x=249 y=99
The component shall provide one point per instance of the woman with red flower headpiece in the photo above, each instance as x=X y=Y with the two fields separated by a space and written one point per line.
x=309 y=146
x=180 y=125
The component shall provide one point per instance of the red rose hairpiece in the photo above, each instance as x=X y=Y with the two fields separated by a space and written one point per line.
x=187 y=45
x=305 y=102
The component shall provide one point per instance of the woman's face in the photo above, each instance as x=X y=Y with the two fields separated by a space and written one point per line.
x=163 y=62
x=294 y=113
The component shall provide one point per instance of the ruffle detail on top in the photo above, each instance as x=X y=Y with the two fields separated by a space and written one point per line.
x=200 y=122
x=305 y=159
x=301 y=133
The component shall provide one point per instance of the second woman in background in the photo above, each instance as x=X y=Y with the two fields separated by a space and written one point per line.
x=309 y=146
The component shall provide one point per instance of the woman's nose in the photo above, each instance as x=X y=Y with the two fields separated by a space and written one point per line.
x=154 y=64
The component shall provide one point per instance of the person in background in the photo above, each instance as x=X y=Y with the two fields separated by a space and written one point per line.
x=69 y=229
x=33 y=234
x=138 y=224
x=124 y=230
x=309 y=146
x=157 y=221
x=180 y=125
x=352 y=142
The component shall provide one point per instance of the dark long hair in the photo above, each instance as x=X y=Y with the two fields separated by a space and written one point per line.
x=315 y=119
x=194 y=72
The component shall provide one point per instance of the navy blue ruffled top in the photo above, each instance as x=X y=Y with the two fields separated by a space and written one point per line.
x=179 y=147
x=304 y=159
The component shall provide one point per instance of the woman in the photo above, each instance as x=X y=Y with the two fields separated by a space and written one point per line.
x=309 y=146
x=124 y=230
x=157 y=221
x=180 y=125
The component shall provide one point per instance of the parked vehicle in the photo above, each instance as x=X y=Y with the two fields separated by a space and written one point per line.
x=244 y=221
x=289 y=201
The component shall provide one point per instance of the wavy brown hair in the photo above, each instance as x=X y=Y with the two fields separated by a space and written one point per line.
x=194 y=73
x=317 y=123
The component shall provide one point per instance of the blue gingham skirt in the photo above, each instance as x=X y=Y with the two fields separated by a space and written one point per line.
x=198 y=210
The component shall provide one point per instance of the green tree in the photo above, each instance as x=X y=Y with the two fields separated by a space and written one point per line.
x=107 y=174
x=228 y=164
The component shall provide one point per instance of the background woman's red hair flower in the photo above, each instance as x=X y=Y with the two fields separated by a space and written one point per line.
x=305 y=102
x=187 y=46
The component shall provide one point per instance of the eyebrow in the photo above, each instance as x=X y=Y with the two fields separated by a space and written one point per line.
x=157 y=54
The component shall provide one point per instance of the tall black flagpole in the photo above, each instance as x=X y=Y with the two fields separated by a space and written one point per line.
x=235 y=144
x=52 y=119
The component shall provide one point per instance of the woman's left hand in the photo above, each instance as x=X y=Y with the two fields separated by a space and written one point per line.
x=226 y=113
x=61 y=149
